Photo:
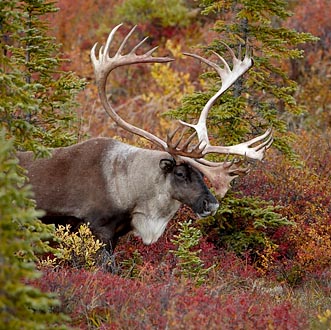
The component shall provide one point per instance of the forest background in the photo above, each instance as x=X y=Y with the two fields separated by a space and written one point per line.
x=263 y=261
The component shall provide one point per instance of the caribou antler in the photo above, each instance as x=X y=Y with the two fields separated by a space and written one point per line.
x=228 y=78
x=105 y=64
x=219 y=174
x=185 y=149
x=102 y=68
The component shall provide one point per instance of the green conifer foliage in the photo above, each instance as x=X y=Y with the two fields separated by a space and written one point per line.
x=22 y=237
x=265 y=95
x=163 y=13
x=37 y=98
x=244 y=224
x=37 y=102
x=189 y=264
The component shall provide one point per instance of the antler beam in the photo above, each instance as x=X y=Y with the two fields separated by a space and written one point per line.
x=105 y=64
x=228 y=78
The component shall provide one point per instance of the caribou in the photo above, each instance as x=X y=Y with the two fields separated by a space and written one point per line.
x=118 y=188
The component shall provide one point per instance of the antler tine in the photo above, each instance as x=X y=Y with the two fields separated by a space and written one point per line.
x=239 y=171
x=266 y=144
x=170 y=137
x=189 y=140
x=228 y=164
x=204 y=60
x=234 y=166
x=227 y=68
x=125 y=40
x=110 y=39
x=231 y=51
x=239 y=51
x=150 y=52
x=172 y=148
x=246 y=148
x=133 y=50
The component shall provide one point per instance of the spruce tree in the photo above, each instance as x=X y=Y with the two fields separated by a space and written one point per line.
x=22 y=238
x=37 y=98
x=265 y=95
x=37 y=102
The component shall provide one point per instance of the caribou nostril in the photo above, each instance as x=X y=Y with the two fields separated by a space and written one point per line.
x=205 y=204
x=215 y=208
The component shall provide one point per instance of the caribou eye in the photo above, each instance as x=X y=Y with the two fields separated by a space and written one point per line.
x=180 y=174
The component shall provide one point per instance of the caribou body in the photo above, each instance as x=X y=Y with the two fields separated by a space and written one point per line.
x=116 y=187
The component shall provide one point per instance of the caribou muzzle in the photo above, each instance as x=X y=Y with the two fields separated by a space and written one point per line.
x=205 y=206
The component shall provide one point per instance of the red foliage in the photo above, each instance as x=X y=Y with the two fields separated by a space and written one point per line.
x=304 y=192
x=107 y=301
x=313 y=16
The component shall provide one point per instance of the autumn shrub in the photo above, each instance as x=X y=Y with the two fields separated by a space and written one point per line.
x=303 y=192
x=131 y=266
x=244 y=225
x=158 y=262
x=106 y=301
x=324 y=321
x=142 y=262
x=78 y=249
x=162 y=13
x=313 y=71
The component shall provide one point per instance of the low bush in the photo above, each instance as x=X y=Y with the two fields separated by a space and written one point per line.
x=77 y=249
x=304 y=194
x=98 y=300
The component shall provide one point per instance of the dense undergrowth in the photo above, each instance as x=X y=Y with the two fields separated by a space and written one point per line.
x=98 y=300
x=286 y=285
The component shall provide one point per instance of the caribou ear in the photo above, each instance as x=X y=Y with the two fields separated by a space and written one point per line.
x=167 y=165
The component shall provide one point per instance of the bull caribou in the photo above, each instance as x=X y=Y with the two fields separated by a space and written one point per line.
x=116 y=187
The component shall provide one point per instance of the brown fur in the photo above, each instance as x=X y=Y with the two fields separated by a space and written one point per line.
x=115 y=187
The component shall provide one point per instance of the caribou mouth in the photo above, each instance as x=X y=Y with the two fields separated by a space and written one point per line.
x=209 y=210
